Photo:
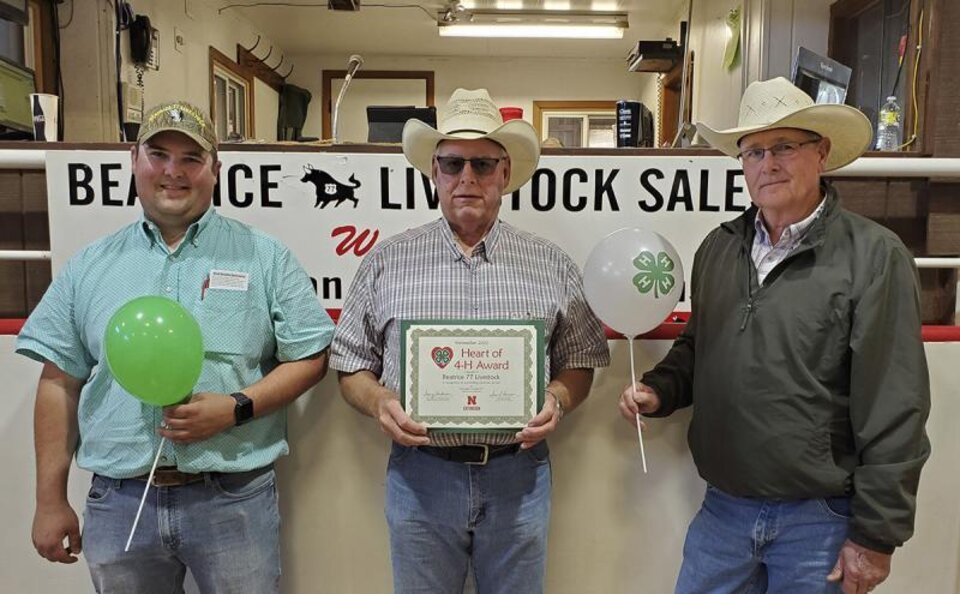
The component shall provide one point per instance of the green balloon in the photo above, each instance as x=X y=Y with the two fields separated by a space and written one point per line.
x=154 y=349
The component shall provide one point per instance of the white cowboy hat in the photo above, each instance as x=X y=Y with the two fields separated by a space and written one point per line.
x=776 y=103
x=472 y=115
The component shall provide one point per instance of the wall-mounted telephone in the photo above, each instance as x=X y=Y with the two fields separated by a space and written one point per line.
x=141 y=34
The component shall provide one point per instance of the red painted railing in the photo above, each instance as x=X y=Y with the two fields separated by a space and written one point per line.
x=666 y=331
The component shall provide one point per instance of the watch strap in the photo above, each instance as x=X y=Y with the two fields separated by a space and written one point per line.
x=243 y=411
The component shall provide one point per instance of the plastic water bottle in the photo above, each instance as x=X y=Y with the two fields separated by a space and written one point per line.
x=889 y=131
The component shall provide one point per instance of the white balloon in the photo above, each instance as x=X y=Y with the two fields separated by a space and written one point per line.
x=633 y=279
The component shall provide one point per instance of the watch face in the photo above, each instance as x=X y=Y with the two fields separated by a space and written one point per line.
x=243 y=412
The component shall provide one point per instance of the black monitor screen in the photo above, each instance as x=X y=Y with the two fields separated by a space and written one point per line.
x=823 y=78
x=385 y=122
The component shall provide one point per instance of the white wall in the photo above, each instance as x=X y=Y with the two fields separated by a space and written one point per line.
x=89 y=70
x=716 y=90
x=613 y=529
x=771 y=31
x=794 y=23
x=511 y=81
x=266 y=106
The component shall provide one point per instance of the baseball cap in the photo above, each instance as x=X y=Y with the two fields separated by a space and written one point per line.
x=179 y=116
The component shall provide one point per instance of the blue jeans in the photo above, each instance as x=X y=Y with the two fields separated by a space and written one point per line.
x=445 y=516
x=746 y=546
x=225 y=529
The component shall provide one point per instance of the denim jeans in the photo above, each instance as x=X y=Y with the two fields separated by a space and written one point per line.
x=746 y=546
x=225 y=529
x=445 y=516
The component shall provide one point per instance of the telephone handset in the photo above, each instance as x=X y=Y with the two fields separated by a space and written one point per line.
x=141 y=34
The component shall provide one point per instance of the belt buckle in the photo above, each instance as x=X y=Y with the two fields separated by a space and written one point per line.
x=170 y=478
x=164 y=479
x=486 y=454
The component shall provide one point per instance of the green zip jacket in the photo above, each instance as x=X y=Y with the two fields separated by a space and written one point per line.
x=814 y=384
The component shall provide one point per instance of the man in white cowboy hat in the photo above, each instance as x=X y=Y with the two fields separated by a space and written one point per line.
x=467 y=499
x=805 y=365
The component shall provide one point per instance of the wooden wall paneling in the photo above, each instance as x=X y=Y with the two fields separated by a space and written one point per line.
x=938 y=294
x=946 y=104
x=921 y=119
x=943 y=220
x=12 y=280
x=879 y=198
x=898 y=204
x=36 y=235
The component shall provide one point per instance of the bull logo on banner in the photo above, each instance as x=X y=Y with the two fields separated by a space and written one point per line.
x=329 y=189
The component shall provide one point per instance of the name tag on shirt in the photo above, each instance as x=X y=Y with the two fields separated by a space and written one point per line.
x=229 y=280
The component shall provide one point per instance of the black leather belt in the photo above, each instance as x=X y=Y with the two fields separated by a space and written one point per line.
x=171 y=477
x=477 y=454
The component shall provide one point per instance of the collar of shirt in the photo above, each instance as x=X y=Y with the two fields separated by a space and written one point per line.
x=484 y=248
x=152 y=233
x=792 y=234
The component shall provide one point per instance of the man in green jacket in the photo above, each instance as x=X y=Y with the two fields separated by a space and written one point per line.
x=804 y=359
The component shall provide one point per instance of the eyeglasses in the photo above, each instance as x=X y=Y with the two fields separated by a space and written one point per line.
x=481 y=166
x=783 y=150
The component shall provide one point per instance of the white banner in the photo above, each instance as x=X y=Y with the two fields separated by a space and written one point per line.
x=331 y=208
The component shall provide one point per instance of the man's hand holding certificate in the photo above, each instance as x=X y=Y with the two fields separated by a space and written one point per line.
x=472 y=375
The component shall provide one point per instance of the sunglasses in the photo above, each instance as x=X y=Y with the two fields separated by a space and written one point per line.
x=481 y=166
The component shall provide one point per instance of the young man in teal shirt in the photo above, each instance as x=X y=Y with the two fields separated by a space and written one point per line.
x=214 y=510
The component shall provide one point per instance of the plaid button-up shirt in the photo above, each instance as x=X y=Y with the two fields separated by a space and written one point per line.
x=766 y=255
x=423 y=274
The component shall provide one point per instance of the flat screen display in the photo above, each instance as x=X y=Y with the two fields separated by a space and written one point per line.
x=16 y=84
x=823 y=78
x=385 y=122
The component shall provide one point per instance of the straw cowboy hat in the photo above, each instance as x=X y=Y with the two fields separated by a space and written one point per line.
x=776 y=103
x=472 y=115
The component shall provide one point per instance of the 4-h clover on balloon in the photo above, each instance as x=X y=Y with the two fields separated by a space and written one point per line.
x=633 y=280
x=655 y=273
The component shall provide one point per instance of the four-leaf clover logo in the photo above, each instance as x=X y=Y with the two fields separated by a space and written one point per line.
x=655 y=273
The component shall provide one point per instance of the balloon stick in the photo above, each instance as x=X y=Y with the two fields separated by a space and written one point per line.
x=144 y=497
x=633 y=386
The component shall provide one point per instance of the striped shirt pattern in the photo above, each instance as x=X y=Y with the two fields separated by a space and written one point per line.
x=245 y=335
x=765 y=254
x=423 y=274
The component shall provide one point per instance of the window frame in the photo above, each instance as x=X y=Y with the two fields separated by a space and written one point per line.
x=543 y=110
x=242 y=82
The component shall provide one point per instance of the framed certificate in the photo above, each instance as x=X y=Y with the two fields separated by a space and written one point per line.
x=472 y=375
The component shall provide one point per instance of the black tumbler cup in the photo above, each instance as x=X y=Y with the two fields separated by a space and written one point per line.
x=628 y=123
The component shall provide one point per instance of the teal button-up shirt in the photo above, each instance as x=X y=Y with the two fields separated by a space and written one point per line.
x=245 y=335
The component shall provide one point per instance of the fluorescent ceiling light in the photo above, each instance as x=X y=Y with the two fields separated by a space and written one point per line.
x=551 y=31
x=553 y=24
x=603 y=5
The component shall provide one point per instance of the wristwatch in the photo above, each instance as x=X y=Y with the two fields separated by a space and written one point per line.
x=243 y=412
x=556 y=400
